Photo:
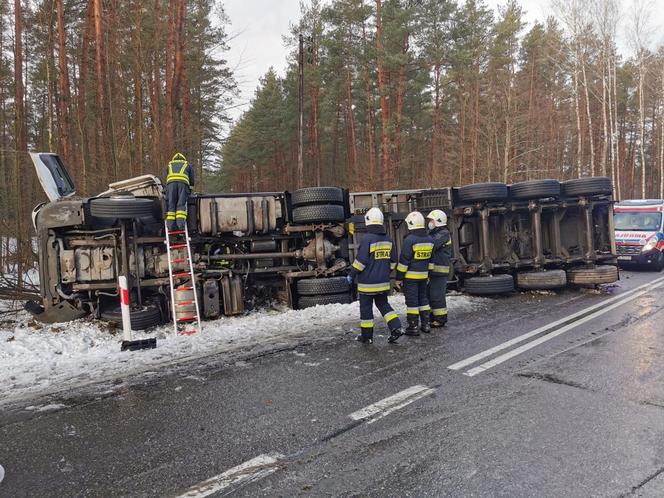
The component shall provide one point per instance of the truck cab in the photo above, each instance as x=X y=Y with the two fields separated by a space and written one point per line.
x=639 y=226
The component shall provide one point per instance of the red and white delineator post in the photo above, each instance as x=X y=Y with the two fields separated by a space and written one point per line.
x=127 y=342
x=124 y=306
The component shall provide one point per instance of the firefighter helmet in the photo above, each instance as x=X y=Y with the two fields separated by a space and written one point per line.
x=415 y=220
x=438 y=217
x=374 y=217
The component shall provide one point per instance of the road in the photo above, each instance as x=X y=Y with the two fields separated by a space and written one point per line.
x=536 y=395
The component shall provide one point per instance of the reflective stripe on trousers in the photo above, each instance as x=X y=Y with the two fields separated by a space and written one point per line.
x=367 y=302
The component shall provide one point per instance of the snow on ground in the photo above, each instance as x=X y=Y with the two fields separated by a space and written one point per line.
x=37 y=359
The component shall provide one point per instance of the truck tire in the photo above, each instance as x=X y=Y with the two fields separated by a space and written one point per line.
x=489 y=191
x=141 y=319
x=309 y=301
x=541 y=280
x=603 y=274
x=535 y=189
x=318 y=214
x=317 y=195
x=313 y=286
x=587 y=186
x=121 y=207
x=492 y=284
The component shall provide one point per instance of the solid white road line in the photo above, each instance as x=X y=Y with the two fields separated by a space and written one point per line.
x=2 y=473
x=381 y=408
x=511 y=354
x=251 y=470
x=490 y=352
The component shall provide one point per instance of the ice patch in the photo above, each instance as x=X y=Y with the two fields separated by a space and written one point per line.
x=42 y=359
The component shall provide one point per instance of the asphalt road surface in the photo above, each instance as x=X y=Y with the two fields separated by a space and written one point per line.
x=535 y=395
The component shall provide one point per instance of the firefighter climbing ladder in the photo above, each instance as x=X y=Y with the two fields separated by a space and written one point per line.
x=184 y=299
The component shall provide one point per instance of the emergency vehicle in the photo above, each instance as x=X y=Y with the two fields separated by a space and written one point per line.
x=639 y=226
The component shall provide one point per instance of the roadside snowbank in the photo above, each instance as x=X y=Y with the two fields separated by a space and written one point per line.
x=38 y=359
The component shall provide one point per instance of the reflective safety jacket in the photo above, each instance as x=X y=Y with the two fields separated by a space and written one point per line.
x=442 y=252
x=376 y=258
x=179 y=171
x=415 y=256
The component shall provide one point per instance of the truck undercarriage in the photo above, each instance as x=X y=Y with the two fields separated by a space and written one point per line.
x=253 y=249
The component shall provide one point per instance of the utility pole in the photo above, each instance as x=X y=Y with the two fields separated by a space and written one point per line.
x=300 y=98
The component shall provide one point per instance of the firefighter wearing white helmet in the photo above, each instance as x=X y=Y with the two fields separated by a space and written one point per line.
x=376 y=258
x=413 y=271
x=439 y=266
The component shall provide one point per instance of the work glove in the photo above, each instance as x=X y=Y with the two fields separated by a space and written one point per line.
x=398 y=285
x=349 y=279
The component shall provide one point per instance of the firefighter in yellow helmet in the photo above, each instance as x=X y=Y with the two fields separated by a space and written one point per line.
x=179 y=180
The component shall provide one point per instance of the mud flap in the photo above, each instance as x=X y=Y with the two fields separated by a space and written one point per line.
x=61 y=312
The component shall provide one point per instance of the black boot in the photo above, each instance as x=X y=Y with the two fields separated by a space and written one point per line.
x=394 y=335
x=438 y=321
x=366 y=336
x=425 y=317
x=413 y=329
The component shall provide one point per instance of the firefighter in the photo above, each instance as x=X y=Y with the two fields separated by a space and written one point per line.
x=439 y=266
x=179 y=180
x=376 y=258
x=413 y=271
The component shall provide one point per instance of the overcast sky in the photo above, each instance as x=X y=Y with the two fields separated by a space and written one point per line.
x=257 y=27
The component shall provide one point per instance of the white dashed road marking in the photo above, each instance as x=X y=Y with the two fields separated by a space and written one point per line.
x=2 y=473
x=251 y=470
x=384 y=407
x=577 y=318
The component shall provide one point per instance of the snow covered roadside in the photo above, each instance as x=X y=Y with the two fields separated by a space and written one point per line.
x=37 y=359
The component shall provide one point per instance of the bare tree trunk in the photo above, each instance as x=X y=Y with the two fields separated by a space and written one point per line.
x=661 y=140
x=170 y=54
x=589 y=116
x=436 y=124
x=642 y=125
x=577 y=112
x=99 y=61
x=21 y=139
x=155 y=94
x=385 y=119
x=611 y=136
x=399 y=114
x=81 y=106
x=615 y=127
x=49 y=81
x=605 y=129
x=138 y=89
x=351 y=115
x=64 y=85
x=178 y=84
x=370 y=120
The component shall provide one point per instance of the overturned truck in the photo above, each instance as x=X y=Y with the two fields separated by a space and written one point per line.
x=253 y=249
